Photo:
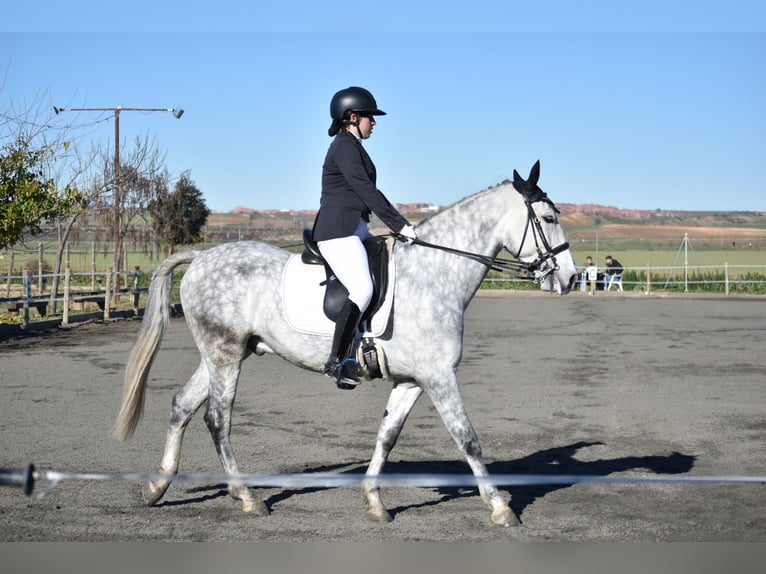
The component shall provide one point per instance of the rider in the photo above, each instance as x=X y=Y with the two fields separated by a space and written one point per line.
x=349 y=195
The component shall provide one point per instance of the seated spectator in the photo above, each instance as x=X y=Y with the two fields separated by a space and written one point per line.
x=584 y=273
x=613 y=269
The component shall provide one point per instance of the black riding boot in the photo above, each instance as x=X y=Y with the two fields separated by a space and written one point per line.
x=341 y=365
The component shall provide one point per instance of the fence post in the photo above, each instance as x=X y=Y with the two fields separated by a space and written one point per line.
x=93 y=267
x=119 y=276
x=648 y=279
x=107 y=298
x=27 y=280
x=593 y=276
x=40 y=268
x=10 y=273
x=67 y=279
x=135 y=290
x=726 y=276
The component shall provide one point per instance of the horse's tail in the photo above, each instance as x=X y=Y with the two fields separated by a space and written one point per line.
x=156 y=317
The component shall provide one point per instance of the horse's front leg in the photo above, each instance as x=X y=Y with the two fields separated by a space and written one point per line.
x=445 y=396
x=400 y=402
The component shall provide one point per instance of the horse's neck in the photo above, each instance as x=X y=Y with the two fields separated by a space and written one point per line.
x=477 y=225
x=473 y=224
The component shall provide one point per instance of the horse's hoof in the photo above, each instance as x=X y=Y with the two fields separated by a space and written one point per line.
x=505 y=518
x=152 y=493
x=250 y=503
x=379 y=515
x=255 y=507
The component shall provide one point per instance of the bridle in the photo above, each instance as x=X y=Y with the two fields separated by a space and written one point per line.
x=545 y=264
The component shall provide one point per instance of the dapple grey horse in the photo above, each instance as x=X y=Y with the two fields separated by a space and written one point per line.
x=233 y=305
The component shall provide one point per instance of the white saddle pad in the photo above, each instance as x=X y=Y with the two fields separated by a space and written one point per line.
x=303 y=298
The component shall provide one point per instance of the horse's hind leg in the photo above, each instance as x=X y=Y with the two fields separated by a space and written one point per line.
x=223 y=388
x=398 y=408
x=186 y=402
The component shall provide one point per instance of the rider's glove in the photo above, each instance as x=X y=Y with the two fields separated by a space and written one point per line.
x=408 y=233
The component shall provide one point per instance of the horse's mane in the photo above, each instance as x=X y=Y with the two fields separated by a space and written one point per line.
x=462 y=204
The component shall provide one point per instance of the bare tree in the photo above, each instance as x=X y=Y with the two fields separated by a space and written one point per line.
x=124 y=197
x=78 y=169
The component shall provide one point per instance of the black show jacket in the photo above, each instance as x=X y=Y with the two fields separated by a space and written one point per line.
x=349 y=192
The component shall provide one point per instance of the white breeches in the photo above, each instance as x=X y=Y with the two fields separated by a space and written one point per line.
x=347 y=258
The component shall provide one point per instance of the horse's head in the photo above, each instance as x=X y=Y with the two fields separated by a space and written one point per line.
x=542 y=243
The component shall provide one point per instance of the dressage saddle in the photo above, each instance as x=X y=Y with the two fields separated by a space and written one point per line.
x=335 y=293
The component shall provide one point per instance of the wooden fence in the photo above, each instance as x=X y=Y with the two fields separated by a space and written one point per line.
x=80 y=293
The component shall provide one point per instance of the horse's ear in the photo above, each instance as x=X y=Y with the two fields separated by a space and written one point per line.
x=518 y=183
x=534 y=174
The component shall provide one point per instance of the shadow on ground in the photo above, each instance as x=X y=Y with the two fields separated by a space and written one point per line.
x=550 y=462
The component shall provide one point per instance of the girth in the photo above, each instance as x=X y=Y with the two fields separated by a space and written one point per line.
x=335 y=293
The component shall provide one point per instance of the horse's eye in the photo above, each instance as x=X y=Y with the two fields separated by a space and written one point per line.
x=549 y=219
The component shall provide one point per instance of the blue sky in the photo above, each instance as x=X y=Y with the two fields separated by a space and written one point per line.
x=655 y=106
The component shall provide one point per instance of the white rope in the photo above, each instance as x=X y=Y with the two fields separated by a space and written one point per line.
x=26 y=479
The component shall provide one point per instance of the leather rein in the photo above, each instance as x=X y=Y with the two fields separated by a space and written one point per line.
x=536 y=270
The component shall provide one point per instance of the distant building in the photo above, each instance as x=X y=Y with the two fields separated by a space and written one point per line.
x=417 y=207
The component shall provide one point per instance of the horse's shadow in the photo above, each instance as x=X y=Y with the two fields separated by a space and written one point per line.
x=213 y=491
x=554 y=461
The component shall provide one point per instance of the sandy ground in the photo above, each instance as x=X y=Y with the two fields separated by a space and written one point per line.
x=617 y=385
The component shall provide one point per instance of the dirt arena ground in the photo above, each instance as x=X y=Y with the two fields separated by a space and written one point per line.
x=613 y=385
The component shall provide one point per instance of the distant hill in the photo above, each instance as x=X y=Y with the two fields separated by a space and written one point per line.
x=697 y=217
x=584 y=220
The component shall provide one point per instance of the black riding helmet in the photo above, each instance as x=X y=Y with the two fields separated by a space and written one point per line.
x=352 y=99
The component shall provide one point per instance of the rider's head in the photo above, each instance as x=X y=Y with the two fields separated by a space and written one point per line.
x=349 y=107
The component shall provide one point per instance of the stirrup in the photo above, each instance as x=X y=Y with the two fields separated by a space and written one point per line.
x=345 y=373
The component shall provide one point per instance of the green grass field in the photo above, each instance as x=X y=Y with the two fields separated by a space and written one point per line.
x=669 y=257
x=706 y=264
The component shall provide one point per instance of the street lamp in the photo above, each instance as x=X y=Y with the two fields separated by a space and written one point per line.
x=177 y=112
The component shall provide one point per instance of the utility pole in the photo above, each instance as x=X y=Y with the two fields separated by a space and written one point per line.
x=117 y=197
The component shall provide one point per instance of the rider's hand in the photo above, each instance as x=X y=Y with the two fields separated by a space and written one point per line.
x=408 y=233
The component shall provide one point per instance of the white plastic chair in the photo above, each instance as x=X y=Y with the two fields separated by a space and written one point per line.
x=614 y=280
